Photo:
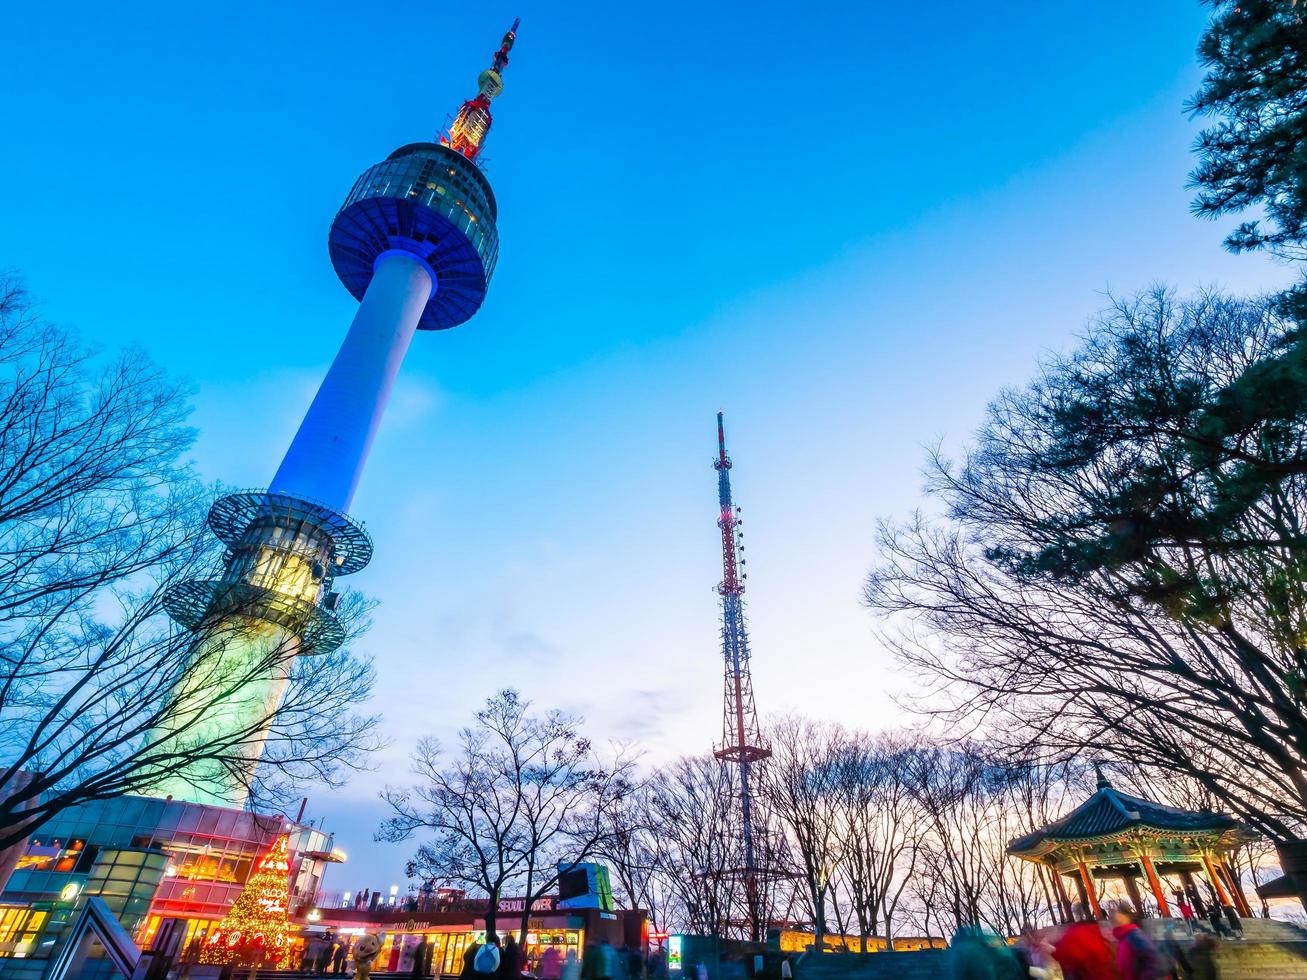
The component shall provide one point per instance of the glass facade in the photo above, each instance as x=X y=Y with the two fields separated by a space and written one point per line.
x=126 y=879
x=431 y=201
x=151 y=858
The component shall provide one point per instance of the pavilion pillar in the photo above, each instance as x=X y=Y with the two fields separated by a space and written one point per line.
x=1215 y=879
x=1163 y=909
x=1087 y=890
x=1236 y=890
x=1062 y=900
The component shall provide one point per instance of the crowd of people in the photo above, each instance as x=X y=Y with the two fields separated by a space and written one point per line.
x=497 y=959
x=325 y=953
x=1087 y=949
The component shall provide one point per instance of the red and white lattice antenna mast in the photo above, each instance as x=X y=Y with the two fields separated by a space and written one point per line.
x=742 y=743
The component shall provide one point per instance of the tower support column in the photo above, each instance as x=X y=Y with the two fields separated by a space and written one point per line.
x=326 y=458
x=250 y=657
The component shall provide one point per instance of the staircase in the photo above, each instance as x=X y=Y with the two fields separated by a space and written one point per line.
x=925 y=964
x=1269 y=950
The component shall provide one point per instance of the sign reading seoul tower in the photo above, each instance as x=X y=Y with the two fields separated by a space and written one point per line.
x=415 y=242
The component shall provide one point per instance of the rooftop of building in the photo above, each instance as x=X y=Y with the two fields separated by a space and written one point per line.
x=1110 y=812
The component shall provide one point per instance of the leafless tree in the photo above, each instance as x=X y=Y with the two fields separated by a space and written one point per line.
x=948 y=783
x=694 y=811
x=880 y=829
x=1120 y=568
x=523 y=793
x=800 y=783
x=99 y=518
x=633 y=849
x=571 y=799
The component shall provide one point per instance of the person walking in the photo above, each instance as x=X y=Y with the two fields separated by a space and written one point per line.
x=420 y=959
x=486 y=961
x=1137 y=956
x=469 y=958
x=1219 y=927
x=1236 y=923
x=1176 y=957
x=1186 y=912
x=309 y=958
x=979 y=955
x=1202 y=958
x=571 y=966
x=1037 y=952
x=551 y=964
x=338 y=957
x=605 y=961
x=325 y=953
x=510 y=960
x=1082 y=950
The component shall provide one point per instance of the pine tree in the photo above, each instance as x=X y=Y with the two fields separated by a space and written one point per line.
x=1255 y=53
x=253 y=933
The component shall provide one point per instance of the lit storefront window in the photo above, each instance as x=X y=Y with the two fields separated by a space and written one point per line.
x=19 y=928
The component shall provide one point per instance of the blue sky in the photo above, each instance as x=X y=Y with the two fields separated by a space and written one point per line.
x=847 y=225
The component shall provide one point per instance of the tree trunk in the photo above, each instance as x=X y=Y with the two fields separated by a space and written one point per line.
x=526 y=909
x=492 y=914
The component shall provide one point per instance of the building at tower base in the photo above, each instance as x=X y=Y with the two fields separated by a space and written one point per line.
x=150 y=859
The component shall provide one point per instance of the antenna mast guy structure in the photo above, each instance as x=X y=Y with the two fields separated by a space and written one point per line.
x=742 y=743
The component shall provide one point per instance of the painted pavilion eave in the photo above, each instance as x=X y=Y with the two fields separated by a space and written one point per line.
x=1130 y=839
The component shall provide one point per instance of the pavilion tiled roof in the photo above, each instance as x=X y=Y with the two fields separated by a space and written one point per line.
x=1109 y=811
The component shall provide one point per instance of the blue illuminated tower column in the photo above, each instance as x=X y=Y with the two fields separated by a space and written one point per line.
x=416 y=243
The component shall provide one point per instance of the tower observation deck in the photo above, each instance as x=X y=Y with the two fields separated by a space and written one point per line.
x=416 y=243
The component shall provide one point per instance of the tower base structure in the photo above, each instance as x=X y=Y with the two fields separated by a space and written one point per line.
x=273 y=603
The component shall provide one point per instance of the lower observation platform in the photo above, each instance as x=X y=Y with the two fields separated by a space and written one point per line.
x=285 y=551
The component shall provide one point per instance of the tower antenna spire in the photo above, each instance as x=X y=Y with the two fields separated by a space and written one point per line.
x=468 y=131
x=742 y=743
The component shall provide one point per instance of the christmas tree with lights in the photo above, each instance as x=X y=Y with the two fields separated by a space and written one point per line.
x=253 y=933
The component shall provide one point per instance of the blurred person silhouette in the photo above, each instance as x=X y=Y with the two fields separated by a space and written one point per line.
x=1082 y=951
x=977 y=954
x=1137 y=956
x=1202 y=958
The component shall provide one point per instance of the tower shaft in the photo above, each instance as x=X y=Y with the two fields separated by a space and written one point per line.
x=326 y=458
x=742 y=742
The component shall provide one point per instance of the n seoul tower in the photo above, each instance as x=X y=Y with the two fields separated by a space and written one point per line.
x=415 y=242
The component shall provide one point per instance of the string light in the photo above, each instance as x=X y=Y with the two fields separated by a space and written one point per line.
x=253 y=932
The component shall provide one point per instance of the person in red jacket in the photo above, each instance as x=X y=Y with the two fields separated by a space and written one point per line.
x=1137 y=956
x=1082 y=951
